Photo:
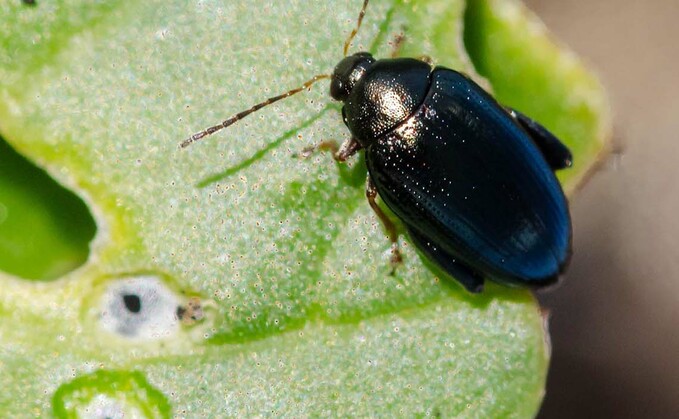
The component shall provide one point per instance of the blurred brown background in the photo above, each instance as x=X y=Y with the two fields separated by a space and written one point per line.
x=615 y=317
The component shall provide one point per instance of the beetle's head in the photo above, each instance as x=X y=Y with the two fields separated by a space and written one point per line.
x=347 y=73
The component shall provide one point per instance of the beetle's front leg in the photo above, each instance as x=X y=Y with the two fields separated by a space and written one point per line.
x=371 y=193
x=339 y=153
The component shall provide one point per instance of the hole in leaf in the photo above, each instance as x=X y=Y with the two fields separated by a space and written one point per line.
x=110 y=394
x=45 y=229
x=139 y=307
x=132 y=303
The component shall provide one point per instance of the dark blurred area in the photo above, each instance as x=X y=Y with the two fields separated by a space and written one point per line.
x=615 y=350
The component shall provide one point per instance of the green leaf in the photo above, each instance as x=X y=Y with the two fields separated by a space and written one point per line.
x=275 y=266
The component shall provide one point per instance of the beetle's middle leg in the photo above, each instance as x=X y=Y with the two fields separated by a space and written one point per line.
x=339 y=153
x=371 y=193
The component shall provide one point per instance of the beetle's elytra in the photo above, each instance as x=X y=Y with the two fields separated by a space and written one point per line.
x=472 y=181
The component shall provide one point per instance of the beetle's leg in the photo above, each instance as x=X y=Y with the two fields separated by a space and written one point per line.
x=555 y=152
x=465 y=275
x=339 y=153
x=327 y=145
x=396 y=44
x=348 y=149
x=371 y=193
x=427 y=59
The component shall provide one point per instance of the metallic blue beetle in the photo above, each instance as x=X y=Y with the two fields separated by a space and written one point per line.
x=471 y=180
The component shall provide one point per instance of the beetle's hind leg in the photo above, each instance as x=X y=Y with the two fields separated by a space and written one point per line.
x=558 y=156
x=371 y=194
x=339 y=153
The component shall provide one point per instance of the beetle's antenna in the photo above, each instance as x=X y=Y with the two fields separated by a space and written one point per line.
x=240 y=115
x=358 y=26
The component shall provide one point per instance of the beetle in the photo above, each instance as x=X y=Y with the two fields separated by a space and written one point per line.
x=472 y=181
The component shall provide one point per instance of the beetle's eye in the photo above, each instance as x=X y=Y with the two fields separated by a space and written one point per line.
x=338 y=87
x=347 y=73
